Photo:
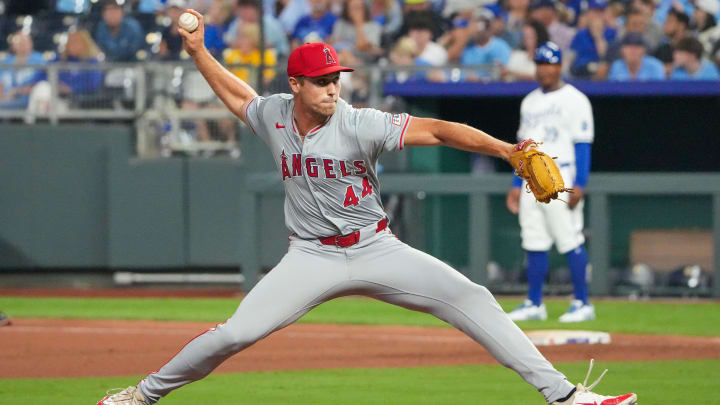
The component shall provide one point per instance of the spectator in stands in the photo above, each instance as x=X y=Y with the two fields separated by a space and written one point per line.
x=689 y=63
x=499 y=29
x=80 y=48
x=217 y=21
x=484 y=49
x=591 y=44
x=403 y=54
x=521 y=65
x=245 y=50
x=706 y=24
x=456 y=39
x=675 y=29
x=664 y=8
x=171 y=44
x=16 y=84
x=248 y=12
x=635 y=64
x=569 y=11
x=120 y=37
x=389 y=15
x=316 y=26
x=615 y=11
x=517 y=14
x=73 y=83
x=544 y=11
x=429 y=52
x=637 y=22
x=422 y=9
x=355 y=37
x=653 y=32
x=273 y=7
x=292 y=12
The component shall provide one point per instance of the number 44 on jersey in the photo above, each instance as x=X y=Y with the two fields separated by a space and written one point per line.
x=350 y=196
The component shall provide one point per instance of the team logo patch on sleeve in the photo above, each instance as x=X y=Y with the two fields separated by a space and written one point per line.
x=397 y=119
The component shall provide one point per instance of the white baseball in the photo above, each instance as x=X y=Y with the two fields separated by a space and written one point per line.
x=188 y=22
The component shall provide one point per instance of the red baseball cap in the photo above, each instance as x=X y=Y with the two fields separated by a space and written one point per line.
x=313 y=60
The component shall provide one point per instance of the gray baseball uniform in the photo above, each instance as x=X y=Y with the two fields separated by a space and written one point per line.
x=331 y=189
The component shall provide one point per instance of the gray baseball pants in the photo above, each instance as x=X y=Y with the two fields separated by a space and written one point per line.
x=379 y=266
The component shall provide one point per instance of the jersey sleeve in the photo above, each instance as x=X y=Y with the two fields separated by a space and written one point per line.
x=380 y=131
x=583 y=127
x=254 y=115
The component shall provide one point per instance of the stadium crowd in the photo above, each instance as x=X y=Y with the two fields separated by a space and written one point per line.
x=621 y=40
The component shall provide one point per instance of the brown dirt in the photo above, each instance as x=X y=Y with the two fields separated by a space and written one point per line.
x=83 y=348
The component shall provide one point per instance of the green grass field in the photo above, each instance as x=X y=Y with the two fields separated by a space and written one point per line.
x=672 y=318
x=661 y=382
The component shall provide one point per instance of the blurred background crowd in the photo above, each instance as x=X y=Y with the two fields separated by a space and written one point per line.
x=423 y=40
x=616 y=40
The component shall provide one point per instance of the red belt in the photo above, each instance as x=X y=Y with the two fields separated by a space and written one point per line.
x=351 y=238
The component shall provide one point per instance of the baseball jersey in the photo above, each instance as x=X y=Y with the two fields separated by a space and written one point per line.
x=559 y=119
x=330 y=179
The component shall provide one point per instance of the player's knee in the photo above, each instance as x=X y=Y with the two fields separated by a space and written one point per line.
x=472 y=293
x=483 y=292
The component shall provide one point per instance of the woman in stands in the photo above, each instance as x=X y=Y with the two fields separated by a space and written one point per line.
x=75 y=84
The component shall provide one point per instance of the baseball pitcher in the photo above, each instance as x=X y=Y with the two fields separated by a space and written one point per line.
x=559 y=116
x=326 y=153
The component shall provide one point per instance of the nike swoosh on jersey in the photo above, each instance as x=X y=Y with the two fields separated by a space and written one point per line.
x=278 y=126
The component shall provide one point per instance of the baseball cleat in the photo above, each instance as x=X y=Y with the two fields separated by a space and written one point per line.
x=583 y=395
x=578 y=312
x=529 y=312
x=128 y=396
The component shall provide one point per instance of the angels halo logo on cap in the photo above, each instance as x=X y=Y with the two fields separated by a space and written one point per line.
x=328 y=57
x=314 y=59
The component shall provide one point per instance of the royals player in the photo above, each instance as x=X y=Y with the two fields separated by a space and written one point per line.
x=559 y=116
x=326 y=153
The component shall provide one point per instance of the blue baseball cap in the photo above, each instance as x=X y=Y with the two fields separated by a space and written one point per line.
x=548 y=53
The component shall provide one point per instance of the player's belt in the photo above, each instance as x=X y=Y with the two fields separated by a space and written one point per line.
x=351 y=238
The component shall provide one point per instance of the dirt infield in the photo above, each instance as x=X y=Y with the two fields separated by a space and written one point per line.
x=83 y=348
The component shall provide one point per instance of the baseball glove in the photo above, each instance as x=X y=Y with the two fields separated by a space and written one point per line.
x=539 y=170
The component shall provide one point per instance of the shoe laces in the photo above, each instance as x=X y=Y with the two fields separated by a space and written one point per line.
x=583 y=387
x=123 y=394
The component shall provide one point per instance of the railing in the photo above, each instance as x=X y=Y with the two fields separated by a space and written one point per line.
x=479 y=189
x=175 y=111
x=163 y=98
